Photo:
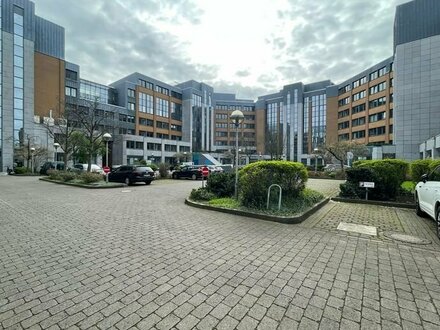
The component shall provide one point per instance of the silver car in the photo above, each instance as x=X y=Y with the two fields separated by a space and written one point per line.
x=428 y=196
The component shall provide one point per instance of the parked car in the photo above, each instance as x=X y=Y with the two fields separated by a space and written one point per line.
x=83 y=168
x=427 y=196
x=193 y=172
x=334 y=167
x=130 y=174
x=215 y=169
x=51 y=166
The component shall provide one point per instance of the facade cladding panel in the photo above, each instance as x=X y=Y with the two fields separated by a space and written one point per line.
x=416 y=20
x=28 y=8
x=49 y=38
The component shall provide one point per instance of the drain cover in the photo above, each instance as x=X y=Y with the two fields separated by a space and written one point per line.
x=406 y=238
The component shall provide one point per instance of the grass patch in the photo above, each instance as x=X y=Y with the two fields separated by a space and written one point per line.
x=229 y=203
x=408 y=186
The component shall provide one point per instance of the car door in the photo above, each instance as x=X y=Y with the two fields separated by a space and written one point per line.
x=429 y=191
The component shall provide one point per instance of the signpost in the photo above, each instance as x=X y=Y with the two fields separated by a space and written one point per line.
x=366 y=185
x=205 y=173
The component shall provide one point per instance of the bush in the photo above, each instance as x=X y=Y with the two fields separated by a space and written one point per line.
x=90 y=177
x=387 y=174
x=66 y=176
x=201 y=194
x=419 y=167
x=256 y=178
x=54 y=174
x=154 y=167
x=221 y=184
x=21 y=170
x=355 y=175
x=163 y=170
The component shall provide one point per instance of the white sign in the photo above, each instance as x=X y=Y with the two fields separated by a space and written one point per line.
x=350 y=155
x=366 y=184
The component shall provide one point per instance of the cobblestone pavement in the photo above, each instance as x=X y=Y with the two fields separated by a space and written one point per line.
x=138 y=257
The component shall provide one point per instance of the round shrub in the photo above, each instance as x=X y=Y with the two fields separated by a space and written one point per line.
x=420 y=167
x=201 y=194
x=221 y=184
x=256 y=178
x=90 y=177
x=54 y=174
x=21 y=170
x=163 y=170
x=67 y=176
x=351 y=188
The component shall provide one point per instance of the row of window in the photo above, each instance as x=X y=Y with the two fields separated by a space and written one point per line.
x=378 y=88
x=374 y=75
x=71 y=91
x=362 y=107
x=234 y=107
x=226 y=125
x=377 y=131
x=159 y=135
x=361 y=121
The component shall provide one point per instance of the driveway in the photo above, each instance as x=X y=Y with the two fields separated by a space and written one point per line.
x=138 y=257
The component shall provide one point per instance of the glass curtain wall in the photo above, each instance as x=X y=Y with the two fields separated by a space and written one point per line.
x=18 y=77
x=1 y=92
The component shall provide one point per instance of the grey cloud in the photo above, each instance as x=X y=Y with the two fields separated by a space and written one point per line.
x=243 y=73
x=241 y=92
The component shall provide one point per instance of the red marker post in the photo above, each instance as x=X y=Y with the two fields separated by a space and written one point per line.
x=106 y=171
x=205 y=173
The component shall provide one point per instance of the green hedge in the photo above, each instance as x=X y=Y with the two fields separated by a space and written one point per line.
x=255 y=179
x=21 y=170
x=420 y=167
x=387 y=174
x=221 y=184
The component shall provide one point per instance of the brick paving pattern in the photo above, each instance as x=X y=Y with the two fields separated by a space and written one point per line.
x=140 y=258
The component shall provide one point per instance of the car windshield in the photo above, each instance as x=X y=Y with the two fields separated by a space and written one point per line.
x=143 y=169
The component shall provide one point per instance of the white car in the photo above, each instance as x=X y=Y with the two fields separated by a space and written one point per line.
x=428 y=196
x=95 y=168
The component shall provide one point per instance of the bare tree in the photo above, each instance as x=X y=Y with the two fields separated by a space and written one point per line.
x=274 y=144
x=91 y=121
x=340 y=149
x=63 y=127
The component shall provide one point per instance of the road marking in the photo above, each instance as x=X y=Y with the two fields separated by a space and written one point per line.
x=125 y=191
x=361 y=229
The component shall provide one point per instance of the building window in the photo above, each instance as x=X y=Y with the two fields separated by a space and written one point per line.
x=344 y=101
x=176 y=127
x=343 y=113
x=377 y=102
x=343 y=125
x=176 y=111
x=344 y=89
x=358 y=135
x=359 y=82
x=343 y=137
x=146 y=103
x=176 y=95
x=130 y=92
x=146 y=122
x=131 y=106
x=377 y=117
x=358 y=121
x=359 y=96
x=378 y=88
x=145 y=84
x=18 y=72
x=376 y=131
x=358 y=108
x=72 y=75
x=161 y=90
x=70 y=91
x=162 y=107
x=163 y=125
x=378 y=73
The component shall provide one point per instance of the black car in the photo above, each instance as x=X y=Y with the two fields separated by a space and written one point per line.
x=51 y=166
x=193 y=172
x=130 y=174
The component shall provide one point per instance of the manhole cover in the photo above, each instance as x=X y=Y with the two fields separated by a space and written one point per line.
x=406 y=238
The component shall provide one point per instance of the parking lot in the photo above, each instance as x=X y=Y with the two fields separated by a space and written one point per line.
x=138 y=257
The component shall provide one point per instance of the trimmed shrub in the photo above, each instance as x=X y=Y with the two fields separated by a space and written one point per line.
x=387 y=174
x=67 y=176
x=90 y=177
x=163 y=170
x=420 y=167
x=221 y=184
x=355 y=175
x=201 y=194
x=434 y=164
x=154 y=167
x=21 y=170
x=54 y=174
x=256 y=178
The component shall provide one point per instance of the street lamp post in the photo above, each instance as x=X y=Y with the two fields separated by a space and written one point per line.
x=184 y=153
x=236 y=118
x=32 y=159
x=316 y=159
x=56 y=145
x=106 y=137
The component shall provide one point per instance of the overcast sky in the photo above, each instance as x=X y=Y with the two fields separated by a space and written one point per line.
x=247 y=47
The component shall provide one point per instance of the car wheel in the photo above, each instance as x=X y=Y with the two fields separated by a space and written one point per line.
x=437 y=220
x=194 y=177
x=127 y=181
x=147 y=183
x=419 y=211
